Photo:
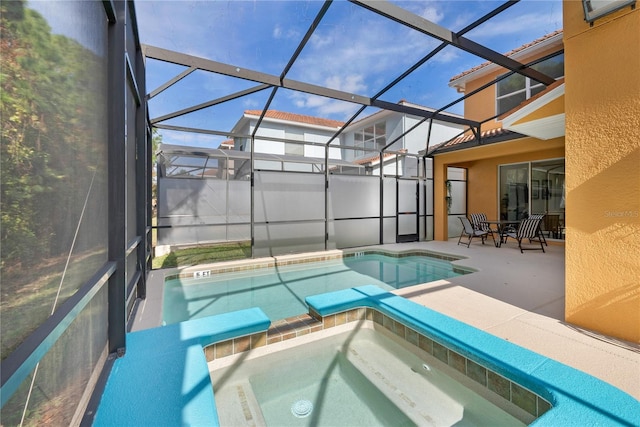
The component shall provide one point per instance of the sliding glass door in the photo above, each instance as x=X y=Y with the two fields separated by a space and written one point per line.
x=514 y=191
x=548 y=195
x=534 y=188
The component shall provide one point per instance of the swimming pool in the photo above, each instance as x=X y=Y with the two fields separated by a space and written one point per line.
x=280 y=290
x=358 y=377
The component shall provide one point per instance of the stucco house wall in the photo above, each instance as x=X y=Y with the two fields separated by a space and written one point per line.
x=602 y=100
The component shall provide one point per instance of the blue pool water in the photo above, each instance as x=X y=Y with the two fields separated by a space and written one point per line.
x=280 y=291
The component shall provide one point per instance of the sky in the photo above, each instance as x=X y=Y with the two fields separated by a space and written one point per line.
x=353 y=50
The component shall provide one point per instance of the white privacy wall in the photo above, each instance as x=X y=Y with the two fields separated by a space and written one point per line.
x=289 y=212
x=201 y=211
x=354 y=210
x=293 y=212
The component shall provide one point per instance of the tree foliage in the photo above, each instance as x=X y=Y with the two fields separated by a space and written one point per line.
x=47 y=99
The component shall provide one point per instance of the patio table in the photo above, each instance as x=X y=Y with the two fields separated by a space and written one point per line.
x=501 y=225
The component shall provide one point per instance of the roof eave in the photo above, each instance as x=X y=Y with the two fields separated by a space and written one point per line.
x=475 y=143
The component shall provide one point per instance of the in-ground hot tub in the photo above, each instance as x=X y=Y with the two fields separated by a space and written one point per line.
x=359 y=374
x=164 y=377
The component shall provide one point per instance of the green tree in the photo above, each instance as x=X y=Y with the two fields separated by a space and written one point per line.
x=47 y=102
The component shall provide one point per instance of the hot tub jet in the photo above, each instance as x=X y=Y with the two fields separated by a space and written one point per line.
x=301 y=408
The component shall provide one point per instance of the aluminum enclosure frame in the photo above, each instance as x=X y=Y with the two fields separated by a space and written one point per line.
x=268 y=81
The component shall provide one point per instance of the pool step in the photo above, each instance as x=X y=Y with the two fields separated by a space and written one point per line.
x=421 y=401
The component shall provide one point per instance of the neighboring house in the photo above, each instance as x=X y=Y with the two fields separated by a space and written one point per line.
x=359 y=143
x=517 y=165
x=384 y=130
x=279 y=126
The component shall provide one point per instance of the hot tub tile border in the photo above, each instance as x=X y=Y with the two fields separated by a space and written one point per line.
x=293 y=327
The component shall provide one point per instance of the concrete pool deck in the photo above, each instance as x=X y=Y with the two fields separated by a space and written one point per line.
x=517 y=297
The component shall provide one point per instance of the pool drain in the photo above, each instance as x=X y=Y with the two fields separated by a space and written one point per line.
x=301 y=408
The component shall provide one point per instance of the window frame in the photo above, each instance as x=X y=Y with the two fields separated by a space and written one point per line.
x=367 y=138
x=529 y=84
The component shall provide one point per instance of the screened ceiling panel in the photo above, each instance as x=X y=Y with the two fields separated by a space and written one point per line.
x=221 y=116
x=332 y=59
x=197 y=88
x=256 y=35
x=351 y=44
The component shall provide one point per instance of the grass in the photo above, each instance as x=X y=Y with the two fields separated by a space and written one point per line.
x=29 y=293
x=203 y=255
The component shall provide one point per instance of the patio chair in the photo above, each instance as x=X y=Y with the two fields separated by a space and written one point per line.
x=479 y=222
x=540 y=217
x=552 y=225
x=528 y=229
x=470 y=232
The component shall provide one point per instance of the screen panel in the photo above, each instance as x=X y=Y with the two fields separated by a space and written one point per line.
x=285 y=238
x=356 y=232
x=281 y=196
x=354 y=196
x=389 y=205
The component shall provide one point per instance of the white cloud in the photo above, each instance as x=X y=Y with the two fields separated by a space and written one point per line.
x=353 y=83
x=323 y=107
x=520 y=24
x=190 y=139
x=448 y=55
x=317 y=41
x=288 y=33
x=431 y=13
x=277 y=31
x=251 y=103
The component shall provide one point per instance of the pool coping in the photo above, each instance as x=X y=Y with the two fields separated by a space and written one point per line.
x=304 y=258
x=147 y=313
x=164 y=377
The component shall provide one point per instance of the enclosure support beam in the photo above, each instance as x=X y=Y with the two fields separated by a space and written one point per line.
x=418 y=23
x=117 y=180
x=275 y=81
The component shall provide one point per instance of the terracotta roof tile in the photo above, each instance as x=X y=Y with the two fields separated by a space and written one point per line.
x=300 y=118
x=226 y=144
x=468 y=137
x=512 y=52
x=376 y=157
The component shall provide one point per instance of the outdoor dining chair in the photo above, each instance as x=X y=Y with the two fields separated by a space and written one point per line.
x=479 y=222
x=540 y=233
x=469 y=231
x=528 y=229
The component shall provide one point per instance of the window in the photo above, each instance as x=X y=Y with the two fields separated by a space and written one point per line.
x=293 y=148
x=517 y=88
x=372 y=137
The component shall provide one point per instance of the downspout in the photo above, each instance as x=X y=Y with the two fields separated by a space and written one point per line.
x=381 y=229
x=326 y=197
x=252 y=204
x=424 y=165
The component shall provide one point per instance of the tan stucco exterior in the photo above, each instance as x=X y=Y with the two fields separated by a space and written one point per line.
x=601 y=147
x=602 y=101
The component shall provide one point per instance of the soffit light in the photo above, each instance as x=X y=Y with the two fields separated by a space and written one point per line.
x=594 y=9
